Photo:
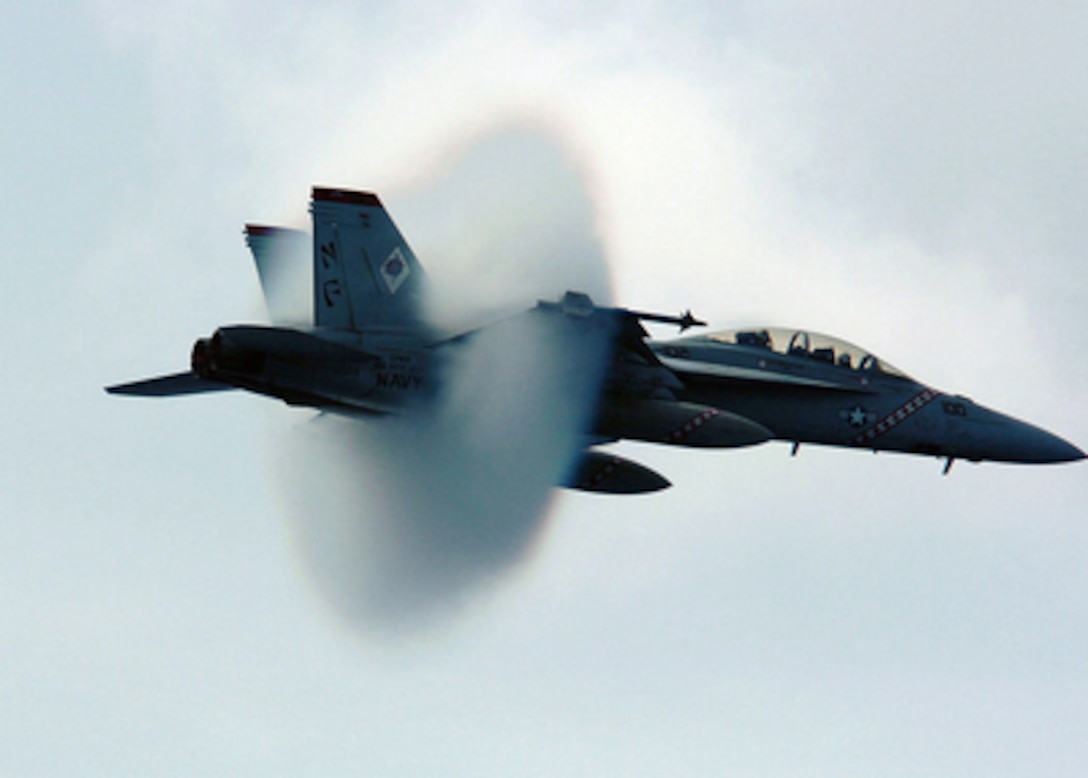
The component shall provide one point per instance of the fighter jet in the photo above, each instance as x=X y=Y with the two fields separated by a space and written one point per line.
x=367 y=351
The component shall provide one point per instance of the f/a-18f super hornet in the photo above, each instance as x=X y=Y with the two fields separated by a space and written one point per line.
x=368 y=351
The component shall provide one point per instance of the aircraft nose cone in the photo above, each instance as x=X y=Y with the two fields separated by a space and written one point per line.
x=1056 y=449
x=1017 y=441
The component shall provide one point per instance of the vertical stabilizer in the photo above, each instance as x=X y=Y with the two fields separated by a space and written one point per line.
x=365 y=275
x=283 y=265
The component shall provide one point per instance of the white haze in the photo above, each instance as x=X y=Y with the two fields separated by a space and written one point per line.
x=502 y=221
x=398 y=519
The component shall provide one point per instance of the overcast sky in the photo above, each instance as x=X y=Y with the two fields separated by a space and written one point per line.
x=909 y=179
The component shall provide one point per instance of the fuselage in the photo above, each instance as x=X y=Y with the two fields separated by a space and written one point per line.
x=364 y=348
x=721 y=390
x=808 y=388
x=380 y=372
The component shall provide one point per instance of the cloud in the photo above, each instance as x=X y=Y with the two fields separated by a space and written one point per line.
x=399 y=519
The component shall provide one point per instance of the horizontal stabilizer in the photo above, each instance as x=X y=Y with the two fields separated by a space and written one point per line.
x=169 y=385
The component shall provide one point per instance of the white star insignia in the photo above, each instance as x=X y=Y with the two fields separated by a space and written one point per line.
x=857 y=417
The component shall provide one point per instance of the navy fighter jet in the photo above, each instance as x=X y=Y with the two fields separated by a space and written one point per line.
x=367 y=351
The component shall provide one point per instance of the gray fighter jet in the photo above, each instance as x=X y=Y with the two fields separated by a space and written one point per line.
x=367 y=351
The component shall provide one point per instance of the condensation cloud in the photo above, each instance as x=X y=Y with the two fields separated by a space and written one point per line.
x=399 y=519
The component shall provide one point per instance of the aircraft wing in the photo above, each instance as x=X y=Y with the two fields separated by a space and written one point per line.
x=168 y=385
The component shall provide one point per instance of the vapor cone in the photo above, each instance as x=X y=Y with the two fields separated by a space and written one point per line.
x=398 y=519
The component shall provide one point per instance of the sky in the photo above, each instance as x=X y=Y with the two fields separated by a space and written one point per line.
x=911 y=179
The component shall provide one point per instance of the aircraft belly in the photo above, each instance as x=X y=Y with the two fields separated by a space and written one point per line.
x=368 y=386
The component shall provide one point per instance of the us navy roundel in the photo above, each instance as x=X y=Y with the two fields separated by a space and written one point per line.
x=395 y=270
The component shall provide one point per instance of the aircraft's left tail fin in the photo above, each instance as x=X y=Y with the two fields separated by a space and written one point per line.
x=365 y=275
x=282 y=257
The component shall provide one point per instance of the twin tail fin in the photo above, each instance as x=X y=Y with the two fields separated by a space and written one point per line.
x=365 y=274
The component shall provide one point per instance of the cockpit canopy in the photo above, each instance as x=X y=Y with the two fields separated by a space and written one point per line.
x=810 y=345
